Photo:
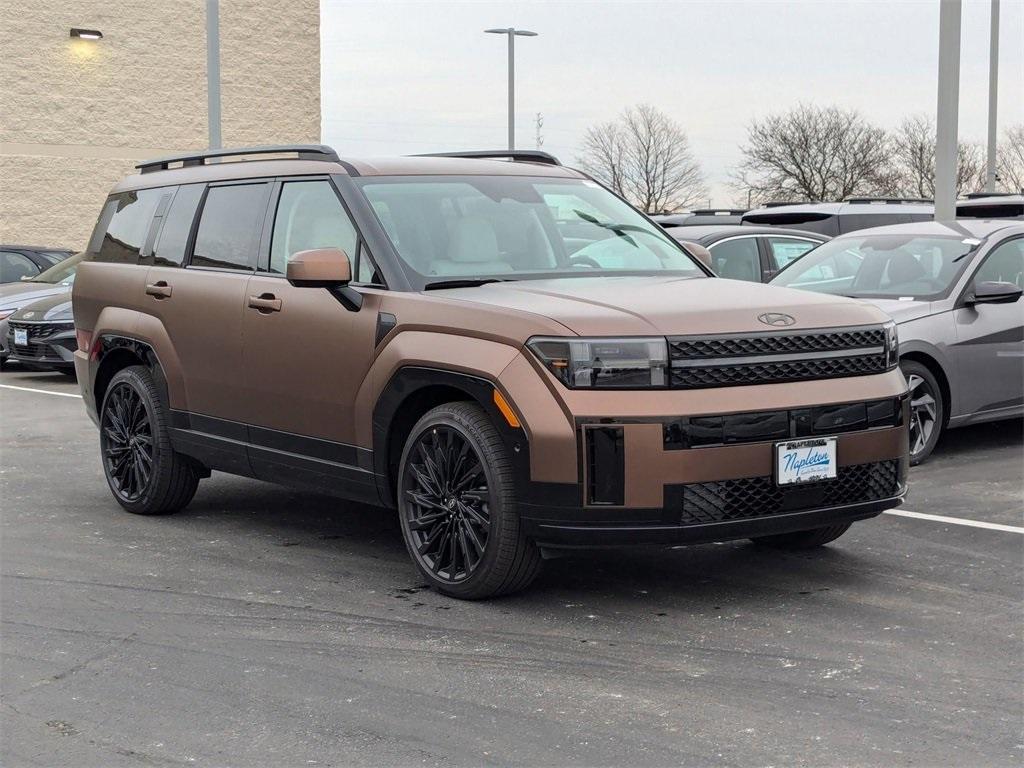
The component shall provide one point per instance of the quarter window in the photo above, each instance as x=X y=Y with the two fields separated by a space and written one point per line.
x=786 y=249
x=129 y=222
x=228 y=232
x=309 y=215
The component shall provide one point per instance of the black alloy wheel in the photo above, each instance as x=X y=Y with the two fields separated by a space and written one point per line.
x=457 y=506
x=127 y=442
x=448 y=505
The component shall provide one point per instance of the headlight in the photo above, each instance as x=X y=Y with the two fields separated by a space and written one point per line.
x=616 y=363
x=892 y=344
x=5 y=313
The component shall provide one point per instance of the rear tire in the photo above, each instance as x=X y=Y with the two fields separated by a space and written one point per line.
x=816 y=537
x=145 y=474
x=457 y=506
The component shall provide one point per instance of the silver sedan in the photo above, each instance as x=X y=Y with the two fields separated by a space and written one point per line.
x=954 y=290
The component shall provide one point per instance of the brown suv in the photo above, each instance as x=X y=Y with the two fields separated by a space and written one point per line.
x=494 y=344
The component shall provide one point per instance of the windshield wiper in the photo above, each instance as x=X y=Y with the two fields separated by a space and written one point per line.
x=618 y=229
x=471 y=282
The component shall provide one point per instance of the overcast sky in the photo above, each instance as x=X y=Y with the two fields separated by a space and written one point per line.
x=405 y=77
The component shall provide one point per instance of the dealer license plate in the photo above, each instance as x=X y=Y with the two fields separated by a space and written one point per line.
x=805 y=461
x=21 y=336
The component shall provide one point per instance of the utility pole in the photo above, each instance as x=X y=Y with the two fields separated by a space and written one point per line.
x=947 y=110
x=993 y=97
x=539 y=123
x=213 y=72
x=512 y=33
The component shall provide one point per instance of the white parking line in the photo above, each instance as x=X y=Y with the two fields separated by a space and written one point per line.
x=897 y=512
x=40 y=391
x=956 y=521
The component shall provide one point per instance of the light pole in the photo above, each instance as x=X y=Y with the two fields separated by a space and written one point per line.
x=993 y=97
x=947 y=110
x=213 y=71
x=512 y=33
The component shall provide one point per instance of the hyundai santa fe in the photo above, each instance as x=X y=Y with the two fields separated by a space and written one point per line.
x=492 y=344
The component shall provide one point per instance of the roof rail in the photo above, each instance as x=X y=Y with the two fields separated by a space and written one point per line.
x=304 y=151
x=719 y=211
x=976 y=195
x=888 y=200
x=780 y=203
x=516 y=155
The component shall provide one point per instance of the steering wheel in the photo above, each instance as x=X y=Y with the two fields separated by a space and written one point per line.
x=584 y=261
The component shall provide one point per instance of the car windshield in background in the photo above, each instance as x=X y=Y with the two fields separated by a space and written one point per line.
x=511 y=228
x=62 y=273
x=881 y=266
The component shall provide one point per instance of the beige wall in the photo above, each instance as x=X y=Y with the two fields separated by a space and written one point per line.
x=75 y=116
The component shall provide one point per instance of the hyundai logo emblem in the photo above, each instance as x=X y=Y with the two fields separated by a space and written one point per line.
x=776 y=319
x=30 y=314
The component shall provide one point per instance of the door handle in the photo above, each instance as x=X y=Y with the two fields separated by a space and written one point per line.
x=159 y=289
x=265 y=303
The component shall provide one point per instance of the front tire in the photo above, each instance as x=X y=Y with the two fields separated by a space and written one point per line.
x=927 y=410
x=145 y=474
x=816 y=537
x=457 y=506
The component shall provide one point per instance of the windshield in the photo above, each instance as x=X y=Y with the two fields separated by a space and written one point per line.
x=881 y=266
x=512 y=228
x=62 y=273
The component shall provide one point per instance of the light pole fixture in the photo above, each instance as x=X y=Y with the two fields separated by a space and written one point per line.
x=511 y=32
x=86 y=34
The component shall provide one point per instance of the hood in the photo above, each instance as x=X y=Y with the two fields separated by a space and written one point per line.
x=666 y=306
x=55 y=308
x=903 y=311
x=14 y=295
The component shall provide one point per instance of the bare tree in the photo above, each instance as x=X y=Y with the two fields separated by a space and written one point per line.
x=913 y=153
x=1010 y=159
x=814 y=153
x=644 y=156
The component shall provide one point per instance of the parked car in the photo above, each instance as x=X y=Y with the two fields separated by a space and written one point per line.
x=41 y=335
x=983 y=206
x=839 y=218
x=24 y=262
x=55 y=280
x=954 y=291
x=700 y=217
x=756 y=254
x=502 y=349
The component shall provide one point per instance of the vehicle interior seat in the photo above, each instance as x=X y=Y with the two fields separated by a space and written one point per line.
x=473 y=242
x=905 y=268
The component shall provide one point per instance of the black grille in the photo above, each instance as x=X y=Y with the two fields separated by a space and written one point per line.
x=786 y=344
x=724 y=361
x=38 y=331
x=752 y=497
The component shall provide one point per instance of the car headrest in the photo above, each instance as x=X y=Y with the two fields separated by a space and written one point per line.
x=473 y=240
x=905 y=268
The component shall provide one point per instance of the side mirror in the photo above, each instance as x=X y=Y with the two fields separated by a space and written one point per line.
x=991 y=292
x=319 y=268
x=700 y=253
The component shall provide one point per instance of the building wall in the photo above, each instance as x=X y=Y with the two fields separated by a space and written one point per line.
x=75 y=116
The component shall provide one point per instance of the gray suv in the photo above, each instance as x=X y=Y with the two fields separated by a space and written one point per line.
x=954 y=291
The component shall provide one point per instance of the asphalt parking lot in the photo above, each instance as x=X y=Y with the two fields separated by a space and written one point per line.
x=268 y=627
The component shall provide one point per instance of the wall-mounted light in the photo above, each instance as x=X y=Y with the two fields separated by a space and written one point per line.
x=86 y=34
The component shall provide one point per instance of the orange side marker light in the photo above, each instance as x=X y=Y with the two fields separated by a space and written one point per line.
x=506 y=410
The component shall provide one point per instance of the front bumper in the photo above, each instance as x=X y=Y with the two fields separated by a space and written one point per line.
x=50 y=345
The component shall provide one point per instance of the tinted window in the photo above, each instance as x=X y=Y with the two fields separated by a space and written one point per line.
x=126 y=232
x=170 y=248
x=786 y=249
x=14 y=266
x=737 y=259
x=1004 y=265
x=229 y=227
x=366 y=270
x=309 y=215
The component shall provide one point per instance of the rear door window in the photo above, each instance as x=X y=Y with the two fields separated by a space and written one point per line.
x=173 y=238
x=228 y=234
x=130 y=218
x=14 y=266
